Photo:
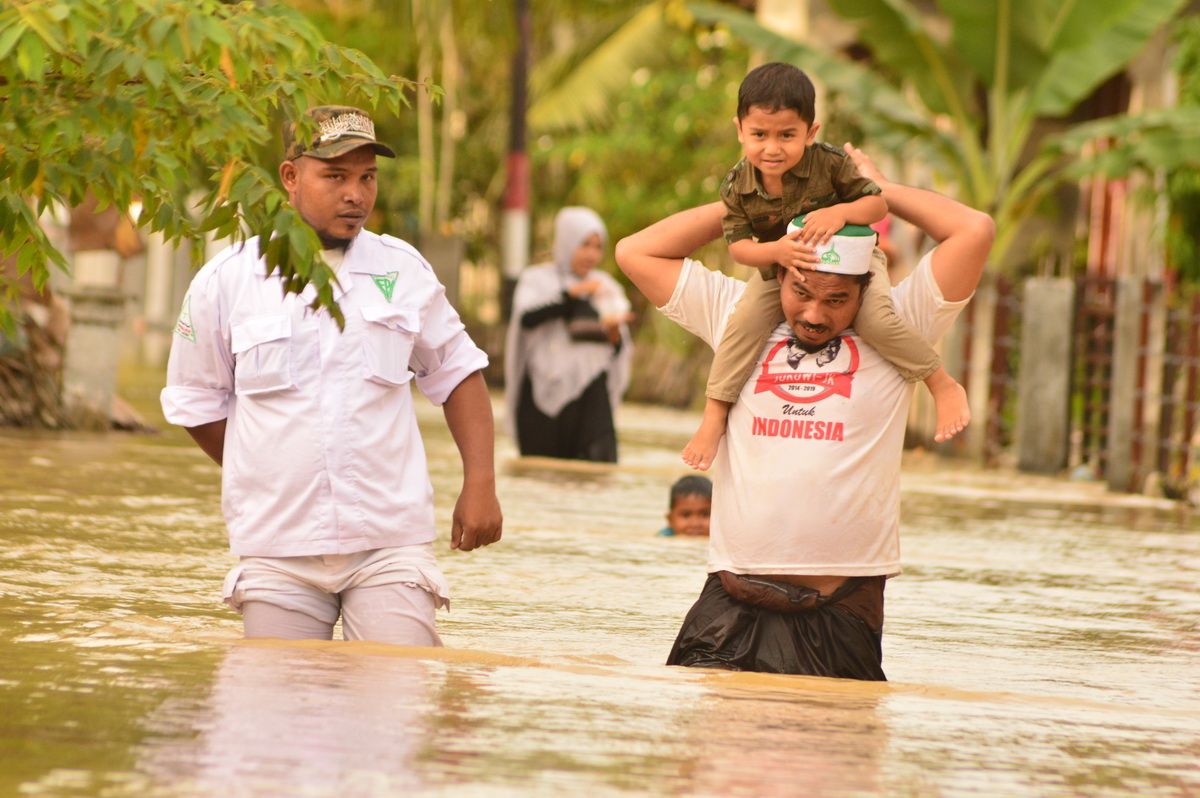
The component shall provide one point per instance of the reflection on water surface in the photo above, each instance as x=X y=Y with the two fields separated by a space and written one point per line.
x=1042 y=640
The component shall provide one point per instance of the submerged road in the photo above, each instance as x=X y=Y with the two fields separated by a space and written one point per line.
x=1043 y=640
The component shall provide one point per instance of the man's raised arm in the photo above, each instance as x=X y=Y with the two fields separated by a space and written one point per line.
x=964 y=235
x=653 y=256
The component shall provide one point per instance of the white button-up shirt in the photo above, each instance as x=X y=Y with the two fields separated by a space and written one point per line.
x=322 y=451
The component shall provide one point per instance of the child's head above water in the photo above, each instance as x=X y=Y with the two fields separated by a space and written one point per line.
x=691 y=504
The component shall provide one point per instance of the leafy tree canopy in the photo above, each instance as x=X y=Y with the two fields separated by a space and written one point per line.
x=160 y=102
x=1183 y=233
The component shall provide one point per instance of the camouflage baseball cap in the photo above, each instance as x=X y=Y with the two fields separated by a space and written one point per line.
x=340 y=129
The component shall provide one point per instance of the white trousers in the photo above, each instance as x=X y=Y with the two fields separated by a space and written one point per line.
x=384 y=595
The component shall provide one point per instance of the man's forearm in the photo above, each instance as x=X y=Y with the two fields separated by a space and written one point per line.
x=678 y=235
x=964 y=235
x=937 y=215
x=477 y=520
x=468 y=412
x=653 y=257
x=210 y=438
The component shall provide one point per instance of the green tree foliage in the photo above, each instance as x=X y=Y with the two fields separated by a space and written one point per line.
x=666 y=142
x=578 y=88
x=467 y=122
x=1183 y=233
x=151 y=101
x=980 y=91
x=470 y=122
x=664 y=110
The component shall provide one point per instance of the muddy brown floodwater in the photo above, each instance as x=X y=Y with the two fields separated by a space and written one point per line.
x=1042 y=640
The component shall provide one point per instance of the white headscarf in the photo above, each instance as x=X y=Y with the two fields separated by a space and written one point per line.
x=560 y=368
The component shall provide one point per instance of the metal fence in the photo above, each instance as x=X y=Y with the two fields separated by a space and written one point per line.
x=1160 y=335
x=1176 y=445
x=1002 y=378
x=1091 y=384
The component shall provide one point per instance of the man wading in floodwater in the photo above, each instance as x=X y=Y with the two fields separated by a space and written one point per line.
x=324 y=483
x=806 y=500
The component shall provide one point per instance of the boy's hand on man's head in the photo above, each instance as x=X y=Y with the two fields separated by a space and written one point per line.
x=795 y=255
x=821 y=224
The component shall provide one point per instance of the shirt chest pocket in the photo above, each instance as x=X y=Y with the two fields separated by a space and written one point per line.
x=819 y=199
x=389 y=334
x=262 y=346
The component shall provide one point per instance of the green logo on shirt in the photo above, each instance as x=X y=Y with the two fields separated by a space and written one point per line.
x=386 y=283
x=183 y=327
x=830 y=256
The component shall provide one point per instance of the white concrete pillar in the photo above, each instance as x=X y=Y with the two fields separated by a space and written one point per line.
x=158 y=307
x=93 y=342
x=1122 y=422
x=979 y=379
x=1044 y=378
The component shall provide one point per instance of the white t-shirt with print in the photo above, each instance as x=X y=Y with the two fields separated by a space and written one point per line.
x=807 y=477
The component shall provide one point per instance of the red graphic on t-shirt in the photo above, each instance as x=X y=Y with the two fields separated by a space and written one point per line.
x=781 y=373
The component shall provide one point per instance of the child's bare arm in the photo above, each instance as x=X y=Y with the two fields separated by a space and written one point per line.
x=786 y=251
x=821 y=224
x=866 y=210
